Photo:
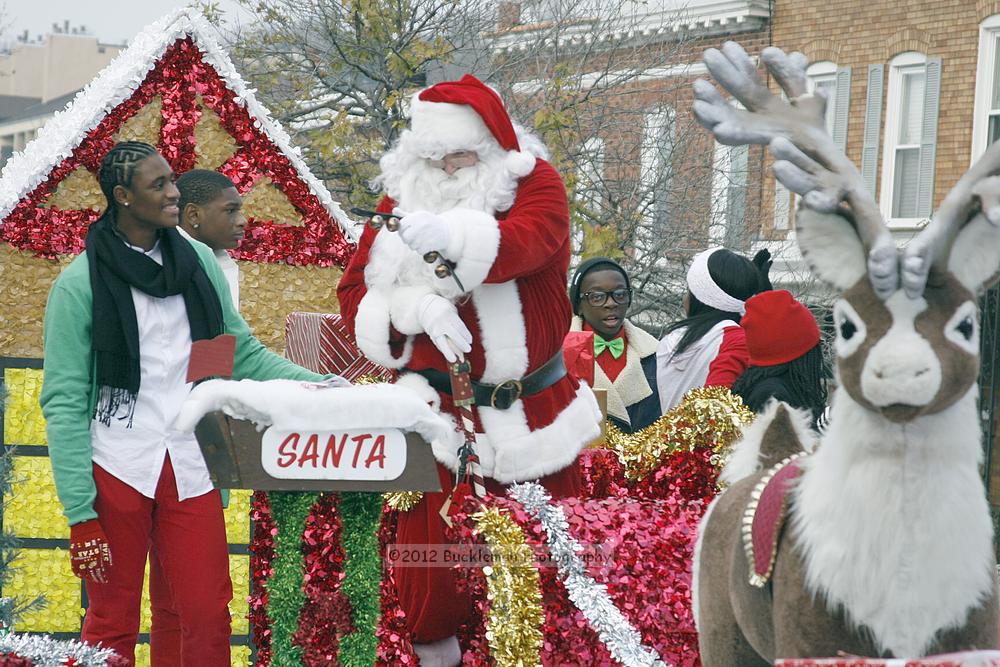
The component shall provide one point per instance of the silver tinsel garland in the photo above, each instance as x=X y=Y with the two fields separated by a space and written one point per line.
x=48 y=652
x=622 y=640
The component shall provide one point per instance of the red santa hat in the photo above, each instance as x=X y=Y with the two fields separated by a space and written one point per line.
x=459 y=115
x=778 y=328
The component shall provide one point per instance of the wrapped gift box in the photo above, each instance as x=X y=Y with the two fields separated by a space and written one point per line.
x=964 y=659
x=321 y=343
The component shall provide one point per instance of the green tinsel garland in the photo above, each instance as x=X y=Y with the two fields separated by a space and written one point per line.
x=284 y=589
x=361 y=514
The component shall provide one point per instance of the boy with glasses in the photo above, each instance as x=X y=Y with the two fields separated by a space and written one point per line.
x=611 y=353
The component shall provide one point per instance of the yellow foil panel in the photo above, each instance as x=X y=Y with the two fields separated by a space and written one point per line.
x=25 y=281
x=23 y=421
x=144 y=125
x=47 y=571
x=238 y=517
x=266 y=202
x=79 y=190
x=269 y=292
x=32 y=509
x=239 y=571
x=213 y=144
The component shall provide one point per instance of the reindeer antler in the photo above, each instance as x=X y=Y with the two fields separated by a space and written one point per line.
x=808 y=161
x=976 y=193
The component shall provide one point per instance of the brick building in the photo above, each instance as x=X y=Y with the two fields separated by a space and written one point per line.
x=916 y=98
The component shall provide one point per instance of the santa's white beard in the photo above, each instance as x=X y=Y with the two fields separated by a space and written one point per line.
x=480 y=187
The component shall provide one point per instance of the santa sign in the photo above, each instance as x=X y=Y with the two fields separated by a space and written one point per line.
x=374 y=454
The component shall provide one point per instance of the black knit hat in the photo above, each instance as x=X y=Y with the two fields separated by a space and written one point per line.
x=592 y=264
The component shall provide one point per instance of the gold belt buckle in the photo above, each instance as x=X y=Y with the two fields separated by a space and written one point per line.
x=518 y=387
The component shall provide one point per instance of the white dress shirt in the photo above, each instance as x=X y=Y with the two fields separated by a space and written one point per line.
x=135 y=455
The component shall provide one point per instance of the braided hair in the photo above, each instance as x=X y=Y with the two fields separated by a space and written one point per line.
x=118 y=167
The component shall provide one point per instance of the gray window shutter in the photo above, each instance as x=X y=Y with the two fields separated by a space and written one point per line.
x=928 y=138
x=873 y=119
x=841 y=107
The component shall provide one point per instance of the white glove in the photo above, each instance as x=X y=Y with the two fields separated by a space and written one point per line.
x=423 y=231
x=447 y=331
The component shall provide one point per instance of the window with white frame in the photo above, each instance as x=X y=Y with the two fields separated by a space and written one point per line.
x=727 y=218
x=986 y=114
x=656 y=163
x=590 y=173
x=823 y=76
x=904 y=130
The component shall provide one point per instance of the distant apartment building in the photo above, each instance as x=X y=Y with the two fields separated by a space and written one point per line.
x=39 y=77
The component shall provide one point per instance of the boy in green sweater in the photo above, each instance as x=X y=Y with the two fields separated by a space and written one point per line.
x=119 y=325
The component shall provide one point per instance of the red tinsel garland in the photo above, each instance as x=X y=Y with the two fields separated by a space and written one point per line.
x=326 y=613
x=261 y=554
x=178 y=76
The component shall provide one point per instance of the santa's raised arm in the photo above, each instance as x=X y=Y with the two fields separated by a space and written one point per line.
x=475 y=189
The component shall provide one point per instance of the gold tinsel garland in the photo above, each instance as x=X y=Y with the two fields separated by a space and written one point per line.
x=213 y=145
x=706 y=417
x=264 y=201
x=514 y=620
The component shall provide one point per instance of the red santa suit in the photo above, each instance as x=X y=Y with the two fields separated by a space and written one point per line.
x=511 y=254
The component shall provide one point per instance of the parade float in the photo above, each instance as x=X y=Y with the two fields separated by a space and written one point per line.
x=173 y=87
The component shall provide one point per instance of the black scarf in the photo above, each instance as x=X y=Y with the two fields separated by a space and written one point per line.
x=114 y=268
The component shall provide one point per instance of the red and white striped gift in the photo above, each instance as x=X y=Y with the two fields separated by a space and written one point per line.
x=963 y=659
x=321 y=343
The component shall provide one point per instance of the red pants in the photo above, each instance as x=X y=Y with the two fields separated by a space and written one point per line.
x=434 y=608
x=189 y=540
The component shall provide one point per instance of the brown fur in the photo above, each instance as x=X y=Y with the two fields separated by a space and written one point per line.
x=747 y=626
x=958 y=367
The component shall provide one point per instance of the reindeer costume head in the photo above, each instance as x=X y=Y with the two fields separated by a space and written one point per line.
x=887 y=546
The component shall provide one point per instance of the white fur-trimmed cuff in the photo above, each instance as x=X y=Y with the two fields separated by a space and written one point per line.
x=404 y=307
x=371 y=331
x=474 y=244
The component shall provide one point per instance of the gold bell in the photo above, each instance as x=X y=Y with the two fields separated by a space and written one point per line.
x=442 y=270
x=376 y=222
x=431 y=257
x=392 y=224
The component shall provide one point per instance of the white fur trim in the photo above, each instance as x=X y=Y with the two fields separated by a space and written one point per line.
x=745 y=459
x=975 y=256
x=520 y=454
x=520 y=163
x=442 y=653
x=474 y=244
x=831 y=247
x=706 y=290
x=527 y=455
x=503 y=334
x=117 y=82
x=448 y=127
x=893 y=523
x=371 y=330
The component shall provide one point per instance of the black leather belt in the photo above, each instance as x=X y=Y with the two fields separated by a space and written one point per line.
x=502 y=396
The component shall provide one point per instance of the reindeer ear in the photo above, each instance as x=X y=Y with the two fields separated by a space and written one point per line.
x=975 y=255
x=830 y=245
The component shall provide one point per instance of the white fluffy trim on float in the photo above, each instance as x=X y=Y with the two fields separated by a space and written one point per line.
x=294 y=404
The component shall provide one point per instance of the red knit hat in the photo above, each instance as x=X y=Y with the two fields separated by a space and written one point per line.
x=458 y=115
x=779 y=329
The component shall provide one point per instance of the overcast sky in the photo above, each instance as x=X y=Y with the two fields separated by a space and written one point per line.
x=111 y=21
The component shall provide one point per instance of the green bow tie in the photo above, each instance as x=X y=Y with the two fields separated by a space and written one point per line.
x=616 y=346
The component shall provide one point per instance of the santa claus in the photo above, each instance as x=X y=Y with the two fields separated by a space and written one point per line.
x=470 y=186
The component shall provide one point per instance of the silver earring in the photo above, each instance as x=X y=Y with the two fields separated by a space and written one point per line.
x=195 y=225
x=126 y=204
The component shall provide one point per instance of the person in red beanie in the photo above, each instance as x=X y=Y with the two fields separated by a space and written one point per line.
x=786 y=359
x=471 y=187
